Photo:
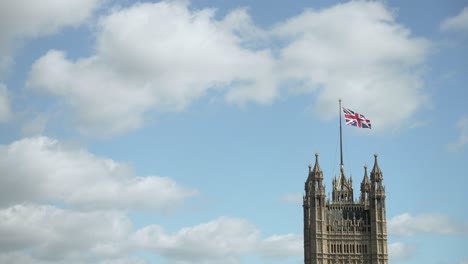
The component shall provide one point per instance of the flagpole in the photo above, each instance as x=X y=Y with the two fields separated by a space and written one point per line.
x=341 y=136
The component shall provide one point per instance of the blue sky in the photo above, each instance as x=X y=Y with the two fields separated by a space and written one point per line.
x=181 y=131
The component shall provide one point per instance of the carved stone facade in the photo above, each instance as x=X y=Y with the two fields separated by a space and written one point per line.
x=342 y=230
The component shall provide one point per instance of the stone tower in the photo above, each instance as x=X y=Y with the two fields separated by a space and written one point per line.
x=342 y=230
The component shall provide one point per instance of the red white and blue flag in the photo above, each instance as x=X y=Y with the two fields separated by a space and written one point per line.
x=355 y=119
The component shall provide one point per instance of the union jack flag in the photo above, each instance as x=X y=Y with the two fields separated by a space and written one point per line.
x=355 y=119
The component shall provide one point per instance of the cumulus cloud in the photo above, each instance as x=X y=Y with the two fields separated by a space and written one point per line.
x=223 y=239
x=25 y=19
x=163 y=56
x=279 y=246
x=42 y=169
x=155 y=56
x=463 y=137
x=50 y=233
x=45 y=234
x=409 y=225
x=358 y=52
x=5 y=109
x=400 y=250
x=456 y=23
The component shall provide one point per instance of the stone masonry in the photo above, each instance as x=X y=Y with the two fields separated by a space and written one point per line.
x=340 y=229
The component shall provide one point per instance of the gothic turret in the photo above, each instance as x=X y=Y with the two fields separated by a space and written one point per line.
x=376 y=177
x=314 y=184
x=378 y=216
x=365 y=188
x=314 y=213
x=342 y=188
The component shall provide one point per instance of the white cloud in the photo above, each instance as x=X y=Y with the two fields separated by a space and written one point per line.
x=464 y=261
x=5 y=109
x=463 y=137
x=22 y=19
x=23 y=258
x=45 y=234
x=223 y=239
x=187 y=54
x=279 y=246
x=457 y=23
x=50 y=233
x=400 y=250
x=409 y=225
x=43 y=169
x=358 y=52
x=295 y=198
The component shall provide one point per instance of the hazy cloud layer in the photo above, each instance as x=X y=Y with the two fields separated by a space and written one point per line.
x=279 y=246
x=400 y=250
x=294 y=198
x=456 y=23
x=21 y=19
x=5 y=108
x=42 y=169
x=356 y=51
x=409 y=225
x=463 y=135
x=35 y=126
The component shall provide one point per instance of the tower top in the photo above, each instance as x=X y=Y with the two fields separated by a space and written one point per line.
x=365 y=179
x=316 y=165
x=376 y=164
x=376 y=173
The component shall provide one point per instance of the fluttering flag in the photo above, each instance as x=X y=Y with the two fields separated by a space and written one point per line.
x=355 y=119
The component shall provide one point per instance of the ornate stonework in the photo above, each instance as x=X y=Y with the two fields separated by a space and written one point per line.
x=342 y=230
